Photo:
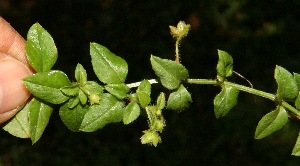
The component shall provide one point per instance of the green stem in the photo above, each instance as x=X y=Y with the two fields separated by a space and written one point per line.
x=260 y=93
x=291 y=108
x=237 y=86
x=250 y=90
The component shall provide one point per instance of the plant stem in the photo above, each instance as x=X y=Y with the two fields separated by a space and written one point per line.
x=177 y=59
x=291 y=108
x=136 y=84
x=250 y=90
x=260 y=93
x=237 y=86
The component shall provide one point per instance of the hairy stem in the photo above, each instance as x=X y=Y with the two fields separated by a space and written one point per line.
x=237 y=86
x=136 y=84
x=260 y=93
x=177 y=59
x=250 y=90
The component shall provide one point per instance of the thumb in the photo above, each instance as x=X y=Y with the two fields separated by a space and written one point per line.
x=13 y=93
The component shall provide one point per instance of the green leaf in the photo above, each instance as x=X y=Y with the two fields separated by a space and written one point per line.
x=171 y=73
x=287 y=86
x=118 y=90
x=73 y=101
x=46 y=86
x=39 y=115
x=82 y=97
x=143 y=93
x=161 y=101
x=151 y=114
x=108 y=67
x=297 y=79
x=70 y=90
x=131 y=112
x=72 y=117
x=296 y=149
x=109 y=110
x=19 y=125
x=271 y=122
x=40 y=49
x=225 y=64
x=80 y=75
x=92 y=87
x=179 y=99
x=225 y=100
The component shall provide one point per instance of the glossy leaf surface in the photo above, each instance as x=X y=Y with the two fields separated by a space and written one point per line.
x=171 y=73
x=92 y=87
x=72 y=117
x=143 y=93
x=225 y=64
x=46 y=86
x=287 y=86
x=80 y=75
x=39 y=115
x=109 y=68
x=179 y=99
x=109 y=110
x=118 y=90
x=131 y=112
x=271 y=122
x=40 y=48
x=225 y=100
x=19 y=125
x=161 y=101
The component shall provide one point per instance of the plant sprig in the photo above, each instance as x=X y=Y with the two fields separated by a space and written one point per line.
x=88 y=106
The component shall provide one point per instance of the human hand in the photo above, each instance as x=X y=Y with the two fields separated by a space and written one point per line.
x=13 y=68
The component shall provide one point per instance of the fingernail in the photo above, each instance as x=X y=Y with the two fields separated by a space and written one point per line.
x=13 y=93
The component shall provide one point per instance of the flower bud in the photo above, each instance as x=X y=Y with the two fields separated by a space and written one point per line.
x=150 y=137
x=94 y=98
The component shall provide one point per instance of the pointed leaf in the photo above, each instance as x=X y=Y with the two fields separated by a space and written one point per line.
x=108 y=67
x=73 y=102
x=179 y=100
x=72 y=117
x=82 y=97
x=70 y=90
x=225 y=64
x=80 y=75
x=19 y=125
x=109 y=110
x=39 y=115
x=118 y=90
x=171 y=73
x=143 y=93
x=287 y=86
x=131 y=112
x=46 y=86
x=40 y=48
x=225 y=100
x=92 y=87
x=271 y=122
x=161 y=101
x=296 y=149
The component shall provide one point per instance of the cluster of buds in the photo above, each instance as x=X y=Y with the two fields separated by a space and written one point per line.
x=156 y=122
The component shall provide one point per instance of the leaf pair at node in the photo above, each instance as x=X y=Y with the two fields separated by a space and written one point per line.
x=172 y=75
x=227 y=98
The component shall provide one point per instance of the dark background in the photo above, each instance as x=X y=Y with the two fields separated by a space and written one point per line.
x=258 y=34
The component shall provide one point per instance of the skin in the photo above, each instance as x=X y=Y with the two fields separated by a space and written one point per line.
x=13 y=68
